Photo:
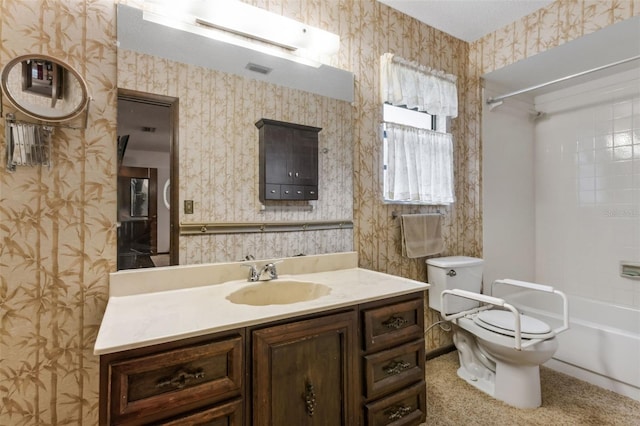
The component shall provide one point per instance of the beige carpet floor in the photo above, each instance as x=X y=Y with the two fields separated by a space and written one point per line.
x=565 y=401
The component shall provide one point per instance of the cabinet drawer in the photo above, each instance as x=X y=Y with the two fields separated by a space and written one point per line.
x=271 y=192
x=229 y=414
x=393 y=324
x=392 y=369
x=292 y=192
x=310 y=192
x=406 y=407
x=167 y=382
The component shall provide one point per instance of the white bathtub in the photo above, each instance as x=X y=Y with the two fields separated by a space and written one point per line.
x=602 y=345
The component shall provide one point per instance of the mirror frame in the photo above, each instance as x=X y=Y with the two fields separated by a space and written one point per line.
x=17 y=62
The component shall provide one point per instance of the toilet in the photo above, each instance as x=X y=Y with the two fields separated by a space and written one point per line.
x=499 y=348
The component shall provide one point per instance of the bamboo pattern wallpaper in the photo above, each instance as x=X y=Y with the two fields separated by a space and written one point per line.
x=57 y=227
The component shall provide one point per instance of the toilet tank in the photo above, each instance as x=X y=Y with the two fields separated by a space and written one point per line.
x=461 y=272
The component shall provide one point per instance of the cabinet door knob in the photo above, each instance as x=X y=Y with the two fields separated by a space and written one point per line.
x=310 y=398
x=297 y=174
x=396 y=367
x=298 y=192
x=181 y=379
x=398 y=412
x=395 y=322
x=290 y=174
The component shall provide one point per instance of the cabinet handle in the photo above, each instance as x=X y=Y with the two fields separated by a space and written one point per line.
x=396 y=367
x=395 y=322
x=297 y=174
x=398 y=412
x=310 y=398
x=298 y=192
x=290 y=174
x=180 y=380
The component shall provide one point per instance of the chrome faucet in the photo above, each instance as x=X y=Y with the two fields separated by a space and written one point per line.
x=253 y=272
x=270 y=269
x=255 y=275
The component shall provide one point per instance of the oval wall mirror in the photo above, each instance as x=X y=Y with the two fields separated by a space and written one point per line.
x=44 y=88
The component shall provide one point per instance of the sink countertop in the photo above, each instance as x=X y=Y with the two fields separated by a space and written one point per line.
x=143 y=319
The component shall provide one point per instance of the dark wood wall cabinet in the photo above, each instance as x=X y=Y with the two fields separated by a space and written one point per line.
x=288 y=161
x=361 y=365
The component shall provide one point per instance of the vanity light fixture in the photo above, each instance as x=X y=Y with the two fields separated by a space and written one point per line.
x=239 y=23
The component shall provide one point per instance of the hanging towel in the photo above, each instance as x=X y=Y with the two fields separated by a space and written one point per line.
x=421 y=235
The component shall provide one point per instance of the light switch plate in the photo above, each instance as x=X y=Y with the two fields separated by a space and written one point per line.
x=188 y=206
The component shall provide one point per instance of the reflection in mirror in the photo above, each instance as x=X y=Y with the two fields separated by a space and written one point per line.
x=44 y=88
x=43 y=78
x=222 y=174
x=139 y=197
x=137 y=217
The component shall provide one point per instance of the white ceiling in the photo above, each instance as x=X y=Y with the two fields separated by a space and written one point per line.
x=467 y=20
x=147 y=125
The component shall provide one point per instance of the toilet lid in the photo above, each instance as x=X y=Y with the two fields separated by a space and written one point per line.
x=504 y=322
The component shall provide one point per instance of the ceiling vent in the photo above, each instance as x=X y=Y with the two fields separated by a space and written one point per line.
x=258 y=68
x=149 y=129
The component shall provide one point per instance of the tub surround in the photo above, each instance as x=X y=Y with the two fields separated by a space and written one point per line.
x=148 y=307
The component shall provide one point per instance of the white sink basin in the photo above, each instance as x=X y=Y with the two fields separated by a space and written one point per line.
x=278 y=292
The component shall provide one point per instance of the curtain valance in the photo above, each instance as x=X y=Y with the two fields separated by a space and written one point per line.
x=407 y=83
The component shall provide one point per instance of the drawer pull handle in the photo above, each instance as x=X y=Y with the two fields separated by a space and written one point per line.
x=310 y=398
x=396 y=367
x=398 y=412
x=395 y=322
x=180 y=380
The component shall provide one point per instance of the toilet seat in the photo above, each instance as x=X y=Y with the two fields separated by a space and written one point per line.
x=503 y=322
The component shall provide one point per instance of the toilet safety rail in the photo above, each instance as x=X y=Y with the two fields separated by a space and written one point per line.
x=491 y=301
x=543 y=288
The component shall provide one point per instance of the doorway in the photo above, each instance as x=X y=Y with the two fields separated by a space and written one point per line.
x=147 y=180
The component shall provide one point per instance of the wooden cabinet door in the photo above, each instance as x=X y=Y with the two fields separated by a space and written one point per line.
x=304 y=158
x=304 y=373
x=277 y=155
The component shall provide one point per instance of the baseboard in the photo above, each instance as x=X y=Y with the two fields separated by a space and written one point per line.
x=440 y=351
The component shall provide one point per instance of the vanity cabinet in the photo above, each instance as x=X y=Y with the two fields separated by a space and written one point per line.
x=393 y=360
x=288 y=161
x=357 y=365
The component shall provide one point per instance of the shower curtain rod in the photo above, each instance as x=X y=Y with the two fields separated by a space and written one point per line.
x=498 y=99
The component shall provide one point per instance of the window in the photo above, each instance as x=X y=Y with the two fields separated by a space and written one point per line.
x=417 y=151
x=418 y=161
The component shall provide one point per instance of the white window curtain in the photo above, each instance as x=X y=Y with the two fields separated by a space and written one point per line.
x=419 y=165
x=418 y=87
